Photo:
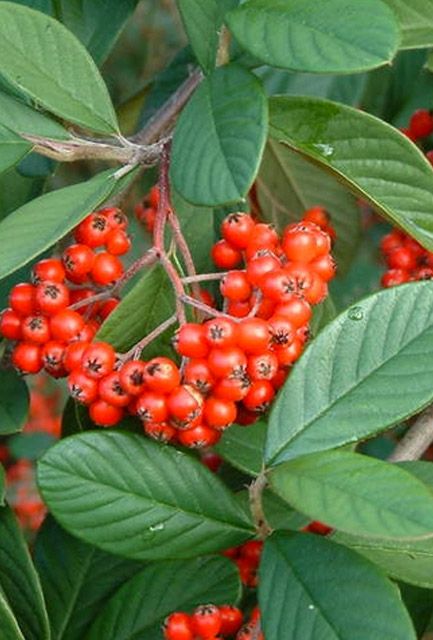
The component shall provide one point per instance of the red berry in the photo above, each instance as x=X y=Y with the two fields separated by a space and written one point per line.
x=237 y=228
x=296 y=310
x=27 y=357
x=112 y=391
x=132 y=377
x=282 y=331
x=52 y=297
x=421 y=123
x=161 y=374
x=161 y=431
x=263 y=366
x=66 y=325
x=224 y=363
x=231 y=620
x=10 y=325
x=234 y=388
x=73 y=354
x=219 y=413
x=198 y=437
x=238 y=309
x=115 y=217
x=325 y=267
x=299 y=244
x=78 y=260
x=263 y=236
x=401 y=258
x=106 y=269
x=104 y=414
x=81 y=387
x=221 y=332
x=235 y=286
x=118 y=242
x=225 y=256
x=206 y=621
x=318 y=215
x=93 y=230
x=259 y=396
x=289 y=353
x=394 y=277
x=98 y=360
x=88 y=332
x=108 y=307
x=178 y=627
x=190 y=341
x=22 y=299
x=152 y=407
x=253 y=335
x=79 y=295
x=36 y=329
x=197 y=374
x=50 y=269
x=53 y=354
x=185 y=405
x=260 y=265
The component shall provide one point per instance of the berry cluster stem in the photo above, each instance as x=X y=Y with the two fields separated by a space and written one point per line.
x=417 y=439
x=256 y=489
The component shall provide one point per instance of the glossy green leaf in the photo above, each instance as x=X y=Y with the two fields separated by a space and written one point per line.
x=342 y=37
x=375 y=160
x=19 y=582
x=313 y=589
x=416 y=22
x=219 y=138
x=14 y=402
x=20 y=242
x=202 y=20
x=10 y=629
x=30 y=446
x=340 y=488
x=12 y=148
x=40 y=5
x=243 y=447
x=42 y=58
x=369 y=369
x=87 y=19
x=149 y=303
x=277 y=512
x=419 y=603
x=287 y=185
x=77 y=579
x=134 y=497
x=20 y=118
x=138 y=609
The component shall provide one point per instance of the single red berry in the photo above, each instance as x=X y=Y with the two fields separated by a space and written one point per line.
x=36 y=329
x=422 y=273
x=152 y=407
x=104 y=414
x=421 y=123
x=161 y=374
x=88 y=332
x=263 y=236
x=238 y=309
x=27 y=357
x=185 y=405
x=161 y=431
x=197 y=374
x=231 y=620
x=221 y=332
x=237 y=228
x=234 y=388
x=263 y=366
x=318 y=215
x=98 y=360
x=74 y=354
x=52 y=297
x=288 y=354
x=66 y=325
x=252 y=550
x=10 y=325
x=50 y=269
x=296 y=310
x=178 y=627
x=78 y=261
x=81 y=387
x=306 y=283
x=299 y=244
x=392 y=240
x=22 y=299
x=207 y=298
x=190 y=341
x=394 y=277
x=259 y=396
x=278 y=286
x=132 y=377
x=224 y=363
x=206 y=621
x=225 y=256
x=53 y=353
x=106 y=269
x=218 y=413
x=212 y=461
x=263 y=263
x=235 y=286
x=108 y=307
x=325 y=267
x=80 y=295
x=112 y=391
x=93 y=230
x=198 y=437
x=253 y=335
x=118 y=242
x=115 y=217
x=401 y=258
x=282 y=331
x=153 y=196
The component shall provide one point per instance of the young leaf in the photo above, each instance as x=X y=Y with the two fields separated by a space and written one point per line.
x=416 y=22
x=128 y=495
x=219 y=138
x=340 y=488
x=314 y=589
x=10 y=629
x=77 y=579
x=202 y=20
x=38 y=224
x=375 y=160
x=149 y=303
x=14 y=402
x=43 y=59
x=368 y=369
x=19 y=582
x=243 y=447
x=138 y=608
x=342 y=37
x=287 y=185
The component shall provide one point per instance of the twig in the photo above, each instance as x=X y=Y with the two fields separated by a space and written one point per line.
x=256 y=489
x=185 y=252
x=209 y=311
x=204 y=277
x=417 y=439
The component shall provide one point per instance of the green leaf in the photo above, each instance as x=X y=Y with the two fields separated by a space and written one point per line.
x=376 y=161
x=12 y=148
x=42 y=58
x=14 y=402
x=202 y=20
x=52 y=215
x=30 y=446
x=150 y=302
x=10 y=629
x=313 y=589
x=88 y=21
x=243 y=447
x=156 y=507
x=77 y=579
x=219 y=138
x=287 y=185
x=416 y=22
x=278 y=514
x=40 y=5
x=19 y=582
x=340 y=488
x=369 y=369
x=20 y=118
x=419 y=603
x=342 y=37
x=323 y=314
x=138 y=609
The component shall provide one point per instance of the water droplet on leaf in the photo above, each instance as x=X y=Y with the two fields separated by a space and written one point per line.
x=356 y=313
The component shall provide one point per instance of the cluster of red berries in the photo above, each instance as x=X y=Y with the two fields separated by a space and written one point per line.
x=405 y=258
x=207 y=622
x=145 y=210
x=420 y=129
x=247 y=558
x=41 y=321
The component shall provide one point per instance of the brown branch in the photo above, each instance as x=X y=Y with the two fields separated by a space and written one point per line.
x=256 y=489
x=417 y=440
